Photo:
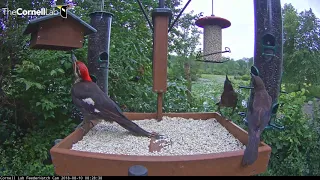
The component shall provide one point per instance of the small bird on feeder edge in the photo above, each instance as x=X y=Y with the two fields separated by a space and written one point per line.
x=229 y=97
x=258 y=118
x=95 y=104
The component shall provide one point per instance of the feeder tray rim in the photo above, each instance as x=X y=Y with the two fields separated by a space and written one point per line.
x=63 y=156
x=263 y=147
x=213 y=20
x=139 y=158
x=33 y=24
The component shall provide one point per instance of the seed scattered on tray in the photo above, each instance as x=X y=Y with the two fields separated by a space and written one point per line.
x=188 y=137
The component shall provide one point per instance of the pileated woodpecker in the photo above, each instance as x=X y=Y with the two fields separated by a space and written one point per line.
x=95 y=104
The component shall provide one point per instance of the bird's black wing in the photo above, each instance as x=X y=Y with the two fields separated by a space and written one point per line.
x=92 y=99
x=89 y=96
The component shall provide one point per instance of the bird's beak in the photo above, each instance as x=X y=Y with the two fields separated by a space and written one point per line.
x=252 y=75
x=74 y=60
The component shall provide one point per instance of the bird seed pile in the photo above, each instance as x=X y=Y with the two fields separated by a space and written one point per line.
x=188 y=137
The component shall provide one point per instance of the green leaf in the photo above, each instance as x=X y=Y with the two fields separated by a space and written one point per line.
x=28 y=84
x=53 y=72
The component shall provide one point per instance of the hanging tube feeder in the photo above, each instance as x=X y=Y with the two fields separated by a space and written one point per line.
x=71 y=162
x=212 y=38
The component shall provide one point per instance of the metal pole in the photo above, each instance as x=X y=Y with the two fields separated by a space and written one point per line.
x=185 y=6
x=212 y=8
x=161 y=3
x=102 y=5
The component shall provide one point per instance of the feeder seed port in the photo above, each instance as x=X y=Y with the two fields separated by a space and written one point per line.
x=269 y=44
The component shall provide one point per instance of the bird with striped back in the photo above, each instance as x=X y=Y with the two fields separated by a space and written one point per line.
x=229 y=97
x=94 y=104
x=258 y=118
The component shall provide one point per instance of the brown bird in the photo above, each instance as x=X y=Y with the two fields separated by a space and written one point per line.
x=229 y=97
x=258 y=118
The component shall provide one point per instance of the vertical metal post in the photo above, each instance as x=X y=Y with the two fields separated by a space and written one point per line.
x=212 y=8
x=161 y=3
x=98 y=48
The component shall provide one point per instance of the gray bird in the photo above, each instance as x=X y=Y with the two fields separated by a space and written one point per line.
x=258 y=118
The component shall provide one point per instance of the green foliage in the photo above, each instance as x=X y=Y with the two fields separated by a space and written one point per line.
x=232 y=67
x=293 y=150
x=301 y=46
x=26 y=153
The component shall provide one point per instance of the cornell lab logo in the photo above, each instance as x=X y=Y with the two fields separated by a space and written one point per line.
x=40 y=12
x=63 y=8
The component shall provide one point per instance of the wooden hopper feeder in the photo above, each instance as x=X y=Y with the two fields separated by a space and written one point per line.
x=75 y=163
x=56 y=33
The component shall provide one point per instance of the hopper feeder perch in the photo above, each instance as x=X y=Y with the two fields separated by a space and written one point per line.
x=69 y=162
x=212 y=38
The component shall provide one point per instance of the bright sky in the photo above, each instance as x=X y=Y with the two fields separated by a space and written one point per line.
x=240 y=35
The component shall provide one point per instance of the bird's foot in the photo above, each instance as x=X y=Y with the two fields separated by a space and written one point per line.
x=92 y=123
x=157 y=136
x=81 y=127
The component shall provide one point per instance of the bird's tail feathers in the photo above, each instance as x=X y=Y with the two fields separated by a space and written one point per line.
x=251 y=151
x=132 y=127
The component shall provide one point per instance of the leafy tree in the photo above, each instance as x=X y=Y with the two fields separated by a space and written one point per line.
x=301 y=46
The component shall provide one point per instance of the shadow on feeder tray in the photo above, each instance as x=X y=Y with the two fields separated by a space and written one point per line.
x=227 y=49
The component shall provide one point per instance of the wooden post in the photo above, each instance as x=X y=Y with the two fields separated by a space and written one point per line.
x=160 y=17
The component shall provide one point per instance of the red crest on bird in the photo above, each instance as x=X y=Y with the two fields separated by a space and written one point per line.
x=83 y=71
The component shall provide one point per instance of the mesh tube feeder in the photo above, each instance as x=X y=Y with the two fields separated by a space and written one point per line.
x=212 y=38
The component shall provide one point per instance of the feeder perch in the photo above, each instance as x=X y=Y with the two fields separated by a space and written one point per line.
x=212 y=37
x=72 y=162
x=56 y=33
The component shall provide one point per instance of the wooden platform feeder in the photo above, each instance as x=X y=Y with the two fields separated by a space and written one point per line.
x=56 y=33
x=75 y=163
